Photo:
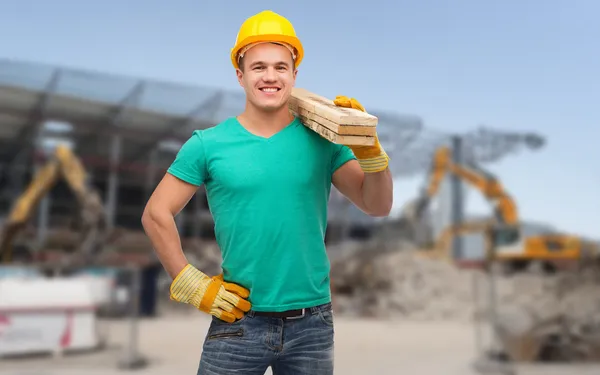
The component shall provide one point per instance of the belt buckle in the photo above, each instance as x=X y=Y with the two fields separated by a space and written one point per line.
x=297 y=317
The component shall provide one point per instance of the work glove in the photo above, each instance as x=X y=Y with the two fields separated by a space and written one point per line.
x=212 y=295
x=371 y=158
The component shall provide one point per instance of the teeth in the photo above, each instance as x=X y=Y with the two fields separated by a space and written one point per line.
x=269 y=89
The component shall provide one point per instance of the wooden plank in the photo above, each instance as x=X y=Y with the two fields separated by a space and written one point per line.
x=355 y=140
x=336 y=124
x=325 y=108
x=336 y=128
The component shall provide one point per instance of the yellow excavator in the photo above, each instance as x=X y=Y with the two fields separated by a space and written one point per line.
x=519 y=331
x=92 y=223
x=502 y=232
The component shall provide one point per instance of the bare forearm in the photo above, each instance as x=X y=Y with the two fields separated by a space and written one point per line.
x=162 y=232
x=377 y=192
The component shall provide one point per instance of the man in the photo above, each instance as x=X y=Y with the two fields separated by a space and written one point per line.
x=267 y=180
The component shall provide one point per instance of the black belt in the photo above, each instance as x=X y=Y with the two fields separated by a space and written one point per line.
x=289 y=314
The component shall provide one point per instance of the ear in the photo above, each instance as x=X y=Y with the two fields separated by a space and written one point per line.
x=295 y=73
x=239 y=75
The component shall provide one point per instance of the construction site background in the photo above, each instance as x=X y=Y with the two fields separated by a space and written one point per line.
x=431 y=289
x=393 y=281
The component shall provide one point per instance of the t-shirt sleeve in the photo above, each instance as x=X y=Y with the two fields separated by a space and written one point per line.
x=341 y=155
x=190 y=163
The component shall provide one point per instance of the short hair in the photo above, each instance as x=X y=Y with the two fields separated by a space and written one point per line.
x=241 y=63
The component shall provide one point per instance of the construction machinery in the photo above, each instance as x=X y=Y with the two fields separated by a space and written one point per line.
x=505 y=210
x=92 y=220
x=502 y=232
x=556 y=319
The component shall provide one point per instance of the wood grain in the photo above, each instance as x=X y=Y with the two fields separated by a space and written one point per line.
x=336 y=128
x=355 y=140
x=325 y=108
x=337 y=124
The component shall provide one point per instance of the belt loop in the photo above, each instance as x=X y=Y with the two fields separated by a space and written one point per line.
x=297 y=317
x=314 y=310
x=250 y=313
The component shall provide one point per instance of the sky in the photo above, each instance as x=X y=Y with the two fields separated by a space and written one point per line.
x=530 y=65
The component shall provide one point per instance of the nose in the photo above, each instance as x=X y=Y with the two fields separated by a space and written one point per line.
x=270 y=75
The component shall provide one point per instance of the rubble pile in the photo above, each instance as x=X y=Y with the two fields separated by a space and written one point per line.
x=551 y=317
x=410 y=285
x=402 y=284
x=573 y=294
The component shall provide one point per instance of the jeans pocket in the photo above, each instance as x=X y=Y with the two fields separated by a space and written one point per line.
x=326 y=317
x=219 y=329
x=224 y=333
x=222 y=329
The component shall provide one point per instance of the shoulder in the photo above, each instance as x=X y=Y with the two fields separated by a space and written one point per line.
x=202 y=138
x=214 y=132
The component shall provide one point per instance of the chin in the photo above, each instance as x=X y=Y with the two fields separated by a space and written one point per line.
x=271 y=107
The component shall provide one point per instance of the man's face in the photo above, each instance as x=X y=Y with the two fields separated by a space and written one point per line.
x=268 y=76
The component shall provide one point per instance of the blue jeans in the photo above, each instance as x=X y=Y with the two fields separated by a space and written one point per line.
x=299 y=346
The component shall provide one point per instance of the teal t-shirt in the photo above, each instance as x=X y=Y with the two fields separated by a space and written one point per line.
x=269 y=199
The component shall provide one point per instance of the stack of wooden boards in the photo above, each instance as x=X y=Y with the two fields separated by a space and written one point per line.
x=337 y=124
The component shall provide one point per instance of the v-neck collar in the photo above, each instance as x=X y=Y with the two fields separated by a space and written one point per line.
x=292 y=124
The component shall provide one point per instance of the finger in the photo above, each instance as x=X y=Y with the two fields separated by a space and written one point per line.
x=356 y=105
x=232 y=287
x=233 y=300
x=243 y=305
x=239 y=314
x=342 y=101
x=231 y=309
x=237 y=289
x=226 y=316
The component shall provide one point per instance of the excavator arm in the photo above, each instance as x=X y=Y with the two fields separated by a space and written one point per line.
x=506 y=225
x=440 y=164
x=42 y=182
x=412 y=222
x=65 y=164
x=505 y=229
x=504 y=206
x=503 y=232
x=93 y=223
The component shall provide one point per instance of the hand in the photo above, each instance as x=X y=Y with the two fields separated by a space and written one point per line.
x=226 y=301
x=371 y=158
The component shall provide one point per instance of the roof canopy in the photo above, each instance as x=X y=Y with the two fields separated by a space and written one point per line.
x=93 y=106
x=89 y=107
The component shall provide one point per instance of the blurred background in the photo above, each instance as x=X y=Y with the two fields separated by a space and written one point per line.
x=488 y=263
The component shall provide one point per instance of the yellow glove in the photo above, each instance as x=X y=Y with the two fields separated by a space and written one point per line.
x=371 y=158
x=214 y=296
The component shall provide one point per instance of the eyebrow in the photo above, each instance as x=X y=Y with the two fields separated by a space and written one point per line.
x=264 y=63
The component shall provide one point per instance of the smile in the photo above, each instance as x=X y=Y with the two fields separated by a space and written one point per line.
x=269 y=89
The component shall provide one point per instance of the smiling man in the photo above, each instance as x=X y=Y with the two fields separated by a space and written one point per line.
x=268 y=180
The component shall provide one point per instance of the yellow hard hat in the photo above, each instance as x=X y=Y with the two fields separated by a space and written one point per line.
x=267 y=26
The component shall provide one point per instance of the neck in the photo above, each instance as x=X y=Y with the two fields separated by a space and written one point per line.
x=266 y=122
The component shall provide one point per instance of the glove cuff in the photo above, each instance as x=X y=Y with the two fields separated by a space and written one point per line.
x=375 y=164
x=187 y=283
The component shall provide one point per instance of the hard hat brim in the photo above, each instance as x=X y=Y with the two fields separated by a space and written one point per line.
x=291 y=40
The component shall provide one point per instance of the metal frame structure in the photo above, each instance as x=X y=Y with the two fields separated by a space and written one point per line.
x=127 y=130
